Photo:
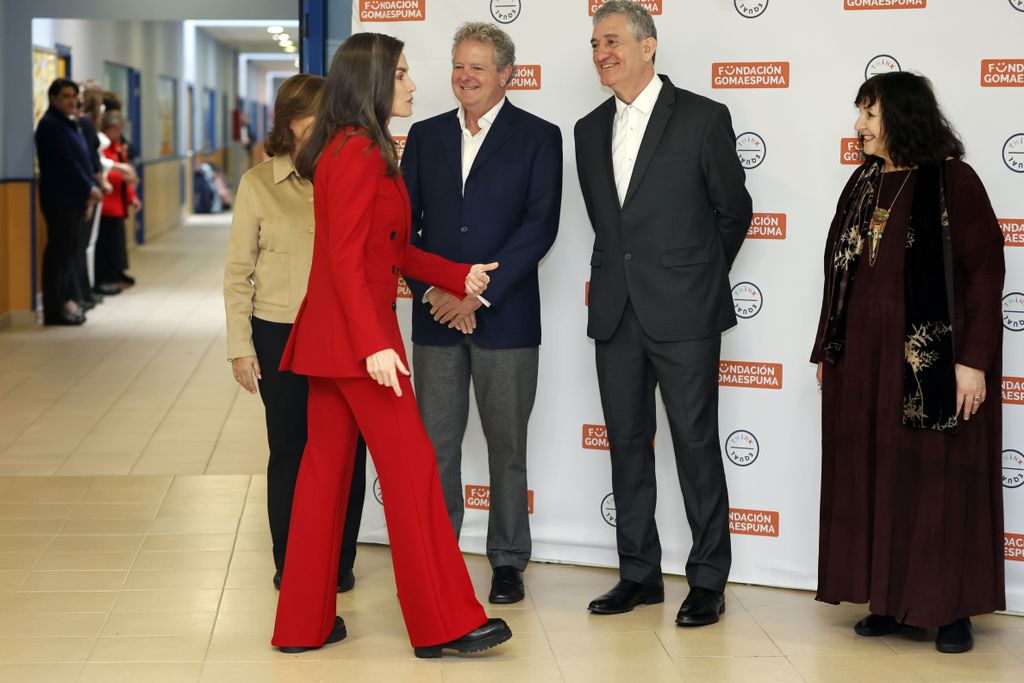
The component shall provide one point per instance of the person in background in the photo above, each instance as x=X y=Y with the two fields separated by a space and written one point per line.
x=485 y=184
x=68 y=192
x=111 y=255
x=347 y=341
x=90 y=110
x=269 y=254
x=909 y=350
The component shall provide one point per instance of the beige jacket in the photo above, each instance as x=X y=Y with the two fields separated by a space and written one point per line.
x=269 y=252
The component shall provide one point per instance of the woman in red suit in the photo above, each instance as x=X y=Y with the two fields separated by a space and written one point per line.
x=347 y=341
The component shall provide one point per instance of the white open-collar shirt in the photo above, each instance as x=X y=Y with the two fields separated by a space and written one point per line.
x=628 y=132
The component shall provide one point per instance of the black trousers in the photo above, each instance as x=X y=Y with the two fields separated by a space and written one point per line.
x=63 y=237
x=284 y=397
x=111 y=251
x=629 y=366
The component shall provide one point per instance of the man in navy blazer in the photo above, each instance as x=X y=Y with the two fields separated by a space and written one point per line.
x=485 y=184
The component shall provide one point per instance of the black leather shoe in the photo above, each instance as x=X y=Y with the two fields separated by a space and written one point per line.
x=701 y=607
x=107 y=289
x=346 y=582
x=875 y=625
x=126 y=280
x=956 y=637
x=277 y=580
x=337 y=633
x=626 y=595
x=493 y=632
x=86 y=304
x=506 y=586
x=64 y=317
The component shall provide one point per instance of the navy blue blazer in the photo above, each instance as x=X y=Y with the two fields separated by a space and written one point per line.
x=509 y=213
x=65 y=170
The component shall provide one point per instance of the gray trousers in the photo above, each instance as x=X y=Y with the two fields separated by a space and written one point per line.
x=505 y=384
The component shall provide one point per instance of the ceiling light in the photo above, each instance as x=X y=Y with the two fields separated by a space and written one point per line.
x=282 y=37
x=286 y=43
x=275 y=29
x=291 y=48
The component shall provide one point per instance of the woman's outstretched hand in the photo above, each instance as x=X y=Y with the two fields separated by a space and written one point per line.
x=384 y=367
x=477 y=280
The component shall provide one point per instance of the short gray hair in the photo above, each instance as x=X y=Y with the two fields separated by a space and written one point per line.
x=640 y=21
x=482 y=32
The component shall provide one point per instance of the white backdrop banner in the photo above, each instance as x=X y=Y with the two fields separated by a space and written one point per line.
x=788 y=70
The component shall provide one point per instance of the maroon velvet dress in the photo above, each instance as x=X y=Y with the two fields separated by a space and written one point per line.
x=911 y=519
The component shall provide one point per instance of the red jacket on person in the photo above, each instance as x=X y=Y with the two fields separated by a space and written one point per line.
x=115 y=204
x=360 y=246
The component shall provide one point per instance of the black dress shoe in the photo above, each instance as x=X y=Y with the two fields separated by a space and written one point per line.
x=956 y=637
x=506 y=586
x=875 y=625
x=86 y=304
x=337 y=633
x=277 y=579
x=701 y=607
x=346 y=582
x=126 y=280
x=107 y=289
x=626 y=595
x=493 y=632
x=64 y=317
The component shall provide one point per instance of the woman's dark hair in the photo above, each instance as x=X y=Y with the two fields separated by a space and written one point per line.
x=359 y=91
x=297 y=98
x=111 y=102
x=916 y=131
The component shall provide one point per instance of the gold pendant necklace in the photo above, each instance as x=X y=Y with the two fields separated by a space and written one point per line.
x=879 y=217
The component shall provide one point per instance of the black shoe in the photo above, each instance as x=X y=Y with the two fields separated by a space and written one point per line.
x=86 y=304
x=493 y=632
x=346 y=582
x=277 y=579
x=875 y=625
x=126 y=280
x=956 y=637
x=107 y=289
x=64 y=317
x=701 y=607
x=506 y=586
x=337 y=633
x=626 y=595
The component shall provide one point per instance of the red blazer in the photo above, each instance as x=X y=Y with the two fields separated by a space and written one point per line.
x=360 y=246
x=115 y=204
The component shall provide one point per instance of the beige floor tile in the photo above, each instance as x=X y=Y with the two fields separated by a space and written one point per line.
x=738 y=670
x=167 y=600
x=30 y=527
x=254 y=541
x=188 y=542
x=255 y=625
x=35 y=511
x=967 y=668
x=97 y=672
x=253 y=559
x=63 y=601
x=882 y=668
x=114 y=510
x=627 y=645
x=24 y=544
x=55 y=560
x=410 y=669
x=123 y=495
x=10 y=581
x=40 y=650
x=141 y=649
x=51 y=624
x=599 y=669
x=74 y=581
x=194 y=509
x=199 y=579
x=249 y=649
x=922 y=641
x=98 y=543
x=718 y=641
x=39 y=673
x=286 y=671
x=482 y=667
x=249 y=578
x=249 y=600
x=18 y=561
x=193 y=559
x=196 y=624
x=87 y=526
x=39 y=494
x=182 y=525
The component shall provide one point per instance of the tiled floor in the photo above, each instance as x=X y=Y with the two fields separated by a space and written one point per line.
x=133 y=541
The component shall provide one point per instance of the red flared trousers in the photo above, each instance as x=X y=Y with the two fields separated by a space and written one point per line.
x=434 y=589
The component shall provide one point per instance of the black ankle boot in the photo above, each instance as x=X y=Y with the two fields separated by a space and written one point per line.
x=956 y=637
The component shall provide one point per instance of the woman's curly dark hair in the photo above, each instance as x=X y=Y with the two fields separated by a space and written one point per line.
x=916 y=131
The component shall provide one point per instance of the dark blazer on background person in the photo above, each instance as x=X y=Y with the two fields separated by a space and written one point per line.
x=508 y=213
x=684 y=218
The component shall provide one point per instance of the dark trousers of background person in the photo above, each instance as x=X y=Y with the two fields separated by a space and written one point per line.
x=62 y=238
x=629 y=367
x=505 y=384
x=112 y=252
x=285 y=396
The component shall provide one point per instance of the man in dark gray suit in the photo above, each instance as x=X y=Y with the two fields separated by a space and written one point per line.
x=665 y=194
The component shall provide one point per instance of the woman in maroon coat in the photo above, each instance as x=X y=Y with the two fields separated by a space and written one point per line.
x=908 y=352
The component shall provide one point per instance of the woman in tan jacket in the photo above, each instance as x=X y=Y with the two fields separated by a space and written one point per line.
x=269 y=256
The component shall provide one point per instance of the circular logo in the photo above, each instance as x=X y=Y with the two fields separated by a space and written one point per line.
x=742 y=448
x=750 y=149
x=1013 y=152
x=1017 y=5
x=376 y=491
x=608 y=509
x=882 y=64
x=752 y=9
x=1013 y=311
x=506 y=11
x=1013 y=468
x=747 y=300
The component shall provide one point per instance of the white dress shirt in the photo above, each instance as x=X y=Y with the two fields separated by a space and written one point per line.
x=628 y=132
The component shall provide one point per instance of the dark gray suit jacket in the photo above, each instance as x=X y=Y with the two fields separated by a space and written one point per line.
x=669 y=247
